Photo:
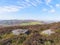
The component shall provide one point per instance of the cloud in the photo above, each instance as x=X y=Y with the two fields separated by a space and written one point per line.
x=4 y=9
x=39 y=1
x=52 y=11
x=27 y=3
x=48 y=1
x=34 y=3
x=57 y=5
x=51 y=6
x=31 y=3
x=24 y=4
x=27 y=0
x=21 y=5
x=44 y=9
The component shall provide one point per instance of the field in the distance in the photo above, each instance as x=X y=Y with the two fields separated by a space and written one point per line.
x=31 y=23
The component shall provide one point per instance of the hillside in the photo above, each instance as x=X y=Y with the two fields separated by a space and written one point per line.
x=34 y=34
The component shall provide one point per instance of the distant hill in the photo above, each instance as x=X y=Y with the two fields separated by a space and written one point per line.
x=18 y=22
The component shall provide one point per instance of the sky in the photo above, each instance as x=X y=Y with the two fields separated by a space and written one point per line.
x=30 y=9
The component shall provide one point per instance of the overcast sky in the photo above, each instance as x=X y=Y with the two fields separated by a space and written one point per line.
x=30 y=9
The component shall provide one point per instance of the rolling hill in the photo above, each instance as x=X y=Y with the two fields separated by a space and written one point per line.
x=19 y=22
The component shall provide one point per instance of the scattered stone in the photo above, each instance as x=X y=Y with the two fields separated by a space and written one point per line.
x=48 y=32
x=19 y=31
